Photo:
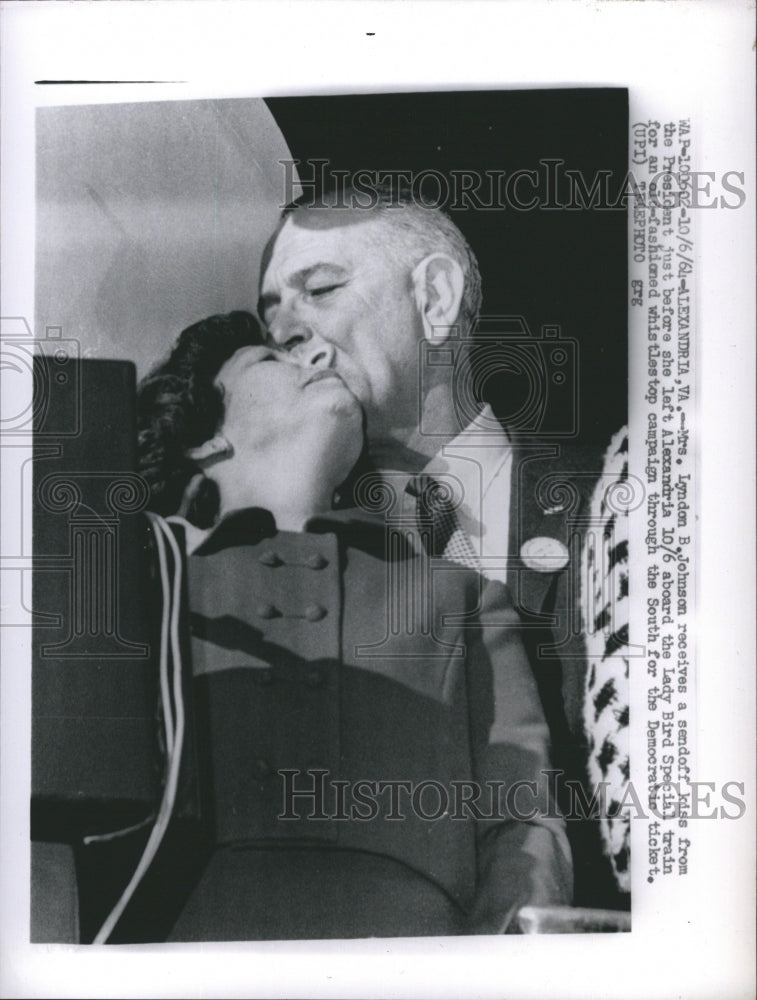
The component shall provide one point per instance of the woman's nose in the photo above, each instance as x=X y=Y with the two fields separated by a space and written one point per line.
x=314 y=352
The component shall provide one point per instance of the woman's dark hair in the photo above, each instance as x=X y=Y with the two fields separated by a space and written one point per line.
x=179 y=407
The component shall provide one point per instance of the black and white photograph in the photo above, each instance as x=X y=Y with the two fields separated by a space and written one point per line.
x=353 y=435
x=373 y=743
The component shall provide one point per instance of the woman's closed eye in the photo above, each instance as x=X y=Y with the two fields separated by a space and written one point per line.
x=257 y=356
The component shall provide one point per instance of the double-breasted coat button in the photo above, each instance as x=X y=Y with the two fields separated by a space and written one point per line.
x=317 y=561
x=314 y=678
x=315 y=612
x=264 y=675
x=265 y=610
x=261 y=768
x=269 y=558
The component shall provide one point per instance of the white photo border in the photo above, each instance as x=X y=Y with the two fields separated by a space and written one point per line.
x=694 y=57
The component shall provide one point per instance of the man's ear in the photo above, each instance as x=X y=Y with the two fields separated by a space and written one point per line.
x=438 y=283
x=209 y=451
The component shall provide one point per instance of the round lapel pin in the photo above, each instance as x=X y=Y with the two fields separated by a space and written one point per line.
x=544 y=554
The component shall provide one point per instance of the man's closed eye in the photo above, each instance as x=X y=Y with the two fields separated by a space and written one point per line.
x=321 y=290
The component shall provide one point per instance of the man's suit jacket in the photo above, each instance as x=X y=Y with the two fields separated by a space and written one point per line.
x=553 y=495
x=340 y=655
x=551 y=487
x=547 y=518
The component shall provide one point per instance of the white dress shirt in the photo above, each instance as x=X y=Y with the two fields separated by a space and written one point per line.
x=477 y=465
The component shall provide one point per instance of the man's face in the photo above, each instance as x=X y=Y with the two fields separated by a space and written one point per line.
x=268 y=401
x=335 y=296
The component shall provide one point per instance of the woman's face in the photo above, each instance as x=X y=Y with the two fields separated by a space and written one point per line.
x=271 y=402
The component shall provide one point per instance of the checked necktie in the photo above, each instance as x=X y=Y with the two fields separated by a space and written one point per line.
x=441 y=532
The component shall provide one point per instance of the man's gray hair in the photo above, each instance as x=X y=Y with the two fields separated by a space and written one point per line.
x=414 y=231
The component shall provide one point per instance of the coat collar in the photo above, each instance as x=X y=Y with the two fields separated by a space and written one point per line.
x=240 y=527
x=358 y=528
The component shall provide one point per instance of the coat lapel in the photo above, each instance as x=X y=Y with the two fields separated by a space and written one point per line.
x=531 y=518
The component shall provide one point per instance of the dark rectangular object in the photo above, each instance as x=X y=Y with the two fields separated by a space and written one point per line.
x=95 y=756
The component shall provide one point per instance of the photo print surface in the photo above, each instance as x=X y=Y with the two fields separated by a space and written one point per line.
x=332 y=598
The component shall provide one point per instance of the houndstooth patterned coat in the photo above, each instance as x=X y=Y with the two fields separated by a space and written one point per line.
x=604 y=609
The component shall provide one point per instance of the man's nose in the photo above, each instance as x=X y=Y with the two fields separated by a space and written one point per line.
x=294 y=335
x=288 y=332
